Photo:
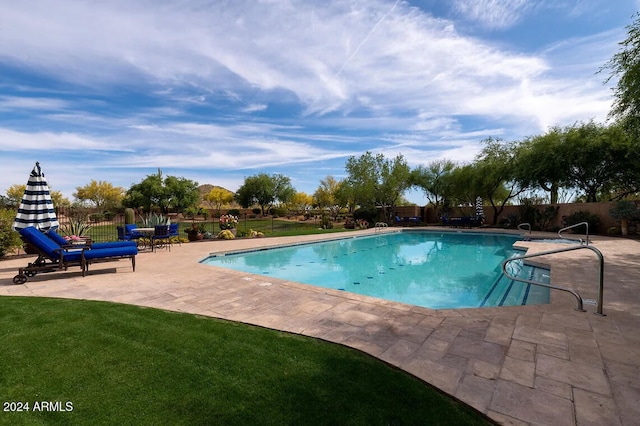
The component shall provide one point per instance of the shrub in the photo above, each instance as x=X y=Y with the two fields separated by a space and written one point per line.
x=279 y=211
x=96 y=217
x=325 y=222
x=256 y=211
x=9 y=239
x=226 y=235
x=511 y=220
x=370 y=214
x=234 y=212
x=625 y=210
x=190 y=212
x=583 y=216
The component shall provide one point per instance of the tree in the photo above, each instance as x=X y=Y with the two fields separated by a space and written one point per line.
x=377 y=181
x=594 y=153
x=181 y=192
x=327 y=196
x=219 y=197
x=495 y=175
x=156 y=192
x=626 y=66
x=102 y=194
x=265 y=190
x=15 y=193
x=300 y=202
x=435 y=180
x=540 y=165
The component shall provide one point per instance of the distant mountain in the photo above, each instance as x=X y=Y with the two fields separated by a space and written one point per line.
x=206 y=188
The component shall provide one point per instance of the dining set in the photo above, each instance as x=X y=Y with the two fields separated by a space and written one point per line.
x=155 y=237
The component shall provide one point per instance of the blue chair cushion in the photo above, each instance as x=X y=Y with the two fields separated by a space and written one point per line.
x=110 y=252
x=56 y=237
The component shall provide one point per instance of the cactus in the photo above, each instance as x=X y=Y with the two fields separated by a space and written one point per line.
x=129 y=216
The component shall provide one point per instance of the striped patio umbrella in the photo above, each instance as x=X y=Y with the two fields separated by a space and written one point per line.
x=479 y=208
x=36 y=207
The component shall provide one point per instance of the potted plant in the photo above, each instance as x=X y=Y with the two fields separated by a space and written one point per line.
x=625 y=211
x=196 y=232
x=228 y=222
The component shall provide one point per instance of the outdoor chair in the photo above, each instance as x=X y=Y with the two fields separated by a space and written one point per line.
x=62 y=242
x=53 y=257
x=174 y=232
x=161 y=237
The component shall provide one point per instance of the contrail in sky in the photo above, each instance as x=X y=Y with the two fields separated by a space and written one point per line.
x=355 y=52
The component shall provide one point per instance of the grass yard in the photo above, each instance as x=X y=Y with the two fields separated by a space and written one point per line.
x=119 y=364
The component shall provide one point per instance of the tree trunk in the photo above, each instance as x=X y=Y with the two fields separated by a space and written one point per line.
x=624 y=226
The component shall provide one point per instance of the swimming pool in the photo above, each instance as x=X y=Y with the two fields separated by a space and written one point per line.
x=438 y=270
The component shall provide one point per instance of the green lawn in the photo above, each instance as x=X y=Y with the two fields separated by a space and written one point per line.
x=119 y=364
x=271 y=228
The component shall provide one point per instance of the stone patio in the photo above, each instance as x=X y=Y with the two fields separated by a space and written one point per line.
x=532 y=365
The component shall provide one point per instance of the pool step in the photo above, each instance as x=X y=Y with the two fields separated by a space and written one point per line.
x=506 y=292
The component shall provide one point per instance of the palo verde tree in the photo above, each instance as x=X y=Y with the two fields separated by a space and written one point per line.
x=219 y=197
x=327 y=196
x=101 y=194
x=15 y=193
x=265 y=190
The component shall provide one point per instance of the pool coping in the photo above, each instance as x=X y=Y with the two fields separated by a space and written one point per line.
x=541 y=364
x=386 y=231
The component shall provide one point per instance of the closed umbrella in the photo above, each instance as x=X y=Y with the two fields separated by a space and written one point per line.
x=479 y=209
x=36 y=208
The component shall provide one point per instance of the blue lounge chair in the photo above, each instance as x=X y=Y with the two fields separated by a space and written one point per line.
x=62 y=242
x=52 y=257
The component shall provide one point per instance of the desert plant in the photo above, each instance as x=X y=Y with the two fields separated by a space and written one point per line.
x=545 y=216
x=511 y=220
x=370 y=214
x=129 y=216
x=77 y=226
x=9 y=239
x=325 y=222
x=256 y=211
x=96 y=217
x=583 y=216
x=234 y=212
x=226 y=235
x=625 y=211
x=153 y=219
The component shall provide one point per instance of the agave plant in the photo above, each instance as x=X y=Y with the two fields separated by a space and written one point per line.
x=153 y=219
x=77 y=226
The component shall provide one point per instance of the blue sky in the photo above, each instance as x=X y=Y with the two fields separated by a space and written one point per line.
x=216 y=91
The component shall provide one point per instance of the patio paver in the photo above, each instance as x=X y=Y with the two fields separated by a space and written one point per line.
x=542 y=365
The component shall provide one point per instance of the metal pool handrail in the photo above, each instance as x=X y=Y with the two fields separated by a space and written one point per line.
x=586 y=224
x=579 y=306
x=525 y=224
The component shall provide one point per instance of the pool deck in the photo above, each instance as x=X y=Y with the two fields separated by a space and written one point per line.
x=531 y=365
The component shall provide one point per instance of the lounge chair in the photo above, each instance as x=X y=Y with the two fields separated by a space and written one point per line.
x=62 y=242
x=53 y=257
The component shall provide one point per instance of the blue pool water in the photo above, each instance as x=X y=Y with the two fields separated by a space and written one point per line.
x=438 y=270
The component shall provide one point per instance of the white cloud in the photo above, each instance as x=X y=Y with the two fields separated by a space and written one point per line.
x=362 y=74
x=497 y=14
